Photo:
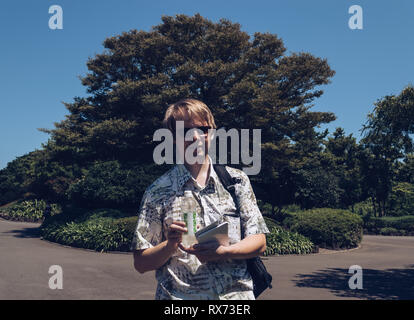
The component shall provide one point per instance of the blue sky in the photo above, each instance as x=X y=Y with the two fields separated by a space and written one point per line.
x=40 y=67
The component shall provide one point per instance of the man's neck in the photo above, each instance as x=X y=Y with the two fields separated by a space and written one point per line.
x=199 y=172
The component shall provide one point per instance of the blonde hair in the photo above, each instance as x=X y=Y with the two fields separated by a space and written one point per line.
x=194 y=108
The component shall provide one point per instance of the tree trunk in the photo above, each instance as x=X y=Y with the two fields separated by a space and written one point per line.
x=373 y=205
x=381 y=207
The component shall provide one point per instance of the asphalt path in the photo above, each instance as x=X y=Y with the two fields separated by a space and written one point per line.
x=387 y=270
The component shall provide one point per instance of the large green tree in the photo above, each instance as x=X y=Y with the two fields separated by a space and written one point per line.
x=248 y=82
x=386 y=142
x=345 y=151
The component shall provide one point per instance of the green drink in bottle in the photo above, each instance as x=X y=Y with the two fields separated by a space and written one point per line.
x=188 y=207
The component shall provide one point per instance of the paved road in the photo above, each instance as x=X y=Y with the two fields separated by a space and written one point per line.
x=387 y=262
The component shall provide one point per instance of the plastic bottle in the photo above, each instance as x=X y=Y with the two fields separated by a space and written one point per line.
x=189 y=210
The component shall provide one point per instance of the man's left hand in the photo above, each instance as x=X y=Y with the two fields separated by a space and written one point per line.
x=205 y=252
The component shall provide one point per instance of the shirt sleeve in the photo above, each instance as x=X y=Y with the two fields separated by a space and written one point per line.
x=148 y=232
x=251 y=218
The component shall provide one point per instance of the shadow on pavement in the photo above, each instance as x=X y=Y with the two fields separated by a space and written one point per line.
x=387 y=284
x=31 y=232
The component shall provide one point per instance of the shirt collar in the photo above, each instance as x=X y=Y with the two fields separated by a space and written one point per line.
x=184 y=175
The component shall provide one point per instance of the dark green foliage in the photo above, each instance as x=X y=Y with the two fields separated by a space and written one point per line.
x=109 y=230
x=317 y=187
x=50 y=179
x=30 y=210
x=270 y=223
x=100 y=155
x=247 y=81
x=14 y=178
x=343 y=152
x=265 y=208
x=401 y=202
x=387 y=225
x=101 y=230
x=111 y=185
x=401 y=199
x=363 y=208
x=386 y=141
x=280 y=241
x=328 y=228
x=388 y=231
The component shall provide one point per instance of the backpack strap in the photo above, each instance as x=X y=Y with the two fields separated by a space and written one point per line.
x=226 y=179
x=261 y=278
x=229 y=183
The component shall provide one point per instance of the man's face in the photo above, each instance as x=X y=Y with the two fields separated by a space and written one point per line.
x=199 y=140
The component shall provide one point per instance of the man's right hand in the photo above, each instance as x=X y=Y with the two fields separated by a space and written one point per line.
x=175 y=233
x=155 y=257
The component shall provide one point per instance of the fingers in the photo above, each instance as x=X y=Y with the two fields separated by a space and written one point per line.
x=201 y=249
x=175 y=231
x=176 y=228
x=190 y=249
x=212 y=245
x=180 y=223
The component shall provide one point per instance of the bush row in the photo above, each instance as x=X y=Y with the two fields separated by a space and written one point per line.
x=110 y=230
x=281 y=241
x=28 y=210
x=398 y=226
x=100 y=230
x=327 y=228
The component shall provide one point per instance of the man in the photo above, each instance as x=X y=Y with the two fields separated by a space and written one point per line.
x=201 y=271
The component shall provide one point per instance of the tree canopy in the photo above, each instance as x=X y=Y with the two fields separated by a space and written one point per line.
x=101 y=153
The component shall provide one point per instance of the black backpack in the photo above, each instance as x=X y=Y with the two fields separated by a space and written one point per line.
x=261 y=278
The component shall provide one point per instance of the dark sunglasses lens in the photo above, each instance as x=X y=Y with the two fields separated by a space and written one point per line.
x=204 y=129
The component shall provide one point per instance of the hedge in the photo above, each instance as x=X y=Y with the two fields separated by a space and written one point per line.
x=270 y=223
x=28 y=210
x=280 y=241
x=100 y=230
x=390 y=225
x=112 y=230
x=328 y=228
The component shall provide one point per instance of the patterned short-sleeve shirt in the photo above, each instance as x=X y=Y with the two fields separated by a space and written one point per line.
x=183 y=276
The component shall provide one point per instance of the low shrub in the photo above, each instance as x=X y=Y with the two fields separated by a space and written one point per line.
x=327 y=228
x=291 y=208
x=112 y=230
x=281 y=241
x=404 y=225
x=390 y=232
x=28 y=210
x=101 y=230
x=270 y=223
x=265 y=208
